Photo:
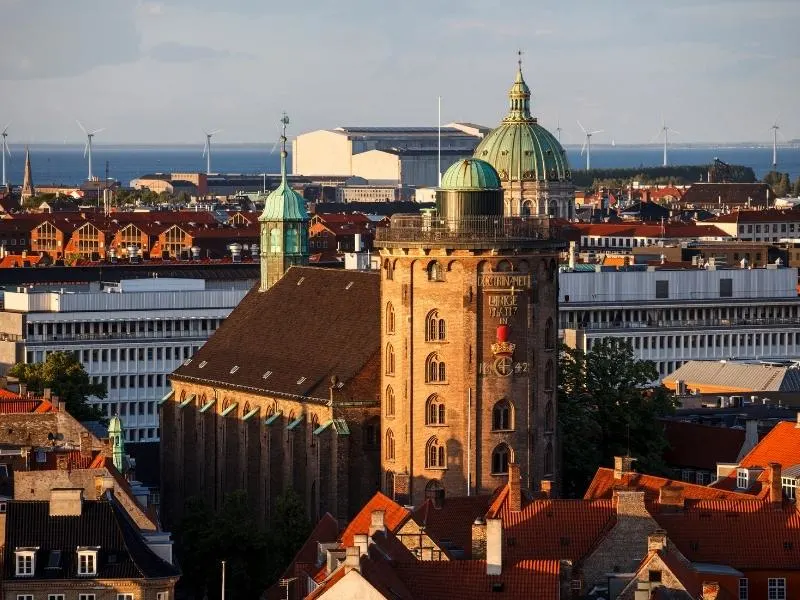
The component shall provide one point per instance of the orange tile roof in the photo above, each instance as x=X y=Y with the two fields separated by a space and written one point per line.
x=467 y=580
x=741 y=534
x=394 y=516
x=781 y=445
x=603 y=485
x=8 y=395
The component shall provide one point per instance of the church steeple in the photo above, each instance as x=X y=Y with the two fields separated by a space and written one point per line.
x=284 y=226
x=519 y=97
x=28 y=190
x=117 y=443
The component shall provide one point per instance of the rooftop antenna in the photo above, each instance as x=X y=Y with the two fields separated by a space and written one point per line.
x=558 y=130
x=587 y=144
x=87 y=149
x=5 y=151
x=439 y=147
x=207 y=148
x=665 y=129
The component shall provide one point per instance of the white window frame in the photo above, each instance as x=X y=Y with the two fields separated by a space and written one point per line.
x=90 y=568
x=789 y=485
x=776 y=588
x=21 y=560
x=742 y=479
x=24 y=596
x=744 y=589
x=55 y=596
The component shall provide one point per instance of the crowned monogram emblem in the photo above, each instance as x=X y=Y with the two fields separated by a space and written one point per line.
x=502 y=347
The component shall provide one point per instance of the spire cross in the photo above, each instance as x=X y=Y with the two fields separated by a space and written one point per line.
x=284 y=122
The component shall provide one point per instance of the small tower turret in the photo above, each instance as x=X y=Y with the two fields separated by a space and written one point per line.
x=28 y=190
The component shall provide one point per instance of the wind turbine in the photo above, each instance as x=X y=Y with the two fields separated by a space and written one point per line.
x=587 y=144
x=665 y=129
x=774 y=128
x=207 y=148
x=88 y=147
x=4 y=150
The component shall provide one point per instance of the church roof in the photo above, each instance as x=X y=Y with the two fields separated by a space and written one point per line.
x=470 y=174
x=291 y=339
x=520 y=146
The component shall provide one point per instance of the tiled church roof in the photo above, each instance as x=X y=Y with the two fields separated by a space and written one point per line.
x=312 y=325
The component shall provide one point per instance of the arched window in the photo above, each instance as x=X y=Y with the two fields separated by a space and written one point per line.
x=435 y=327
x=389 y=452
x=549 y=376
x=389 y=359
x=504 y=266
x=548 y=459
x=434 y=492
x=435 y=369
x=434 y=455
x=389 y=489
x=434 y=411
x=501 y=456
x=292 y=242
x=314 y=422
x=435 y=271
x=548 y=416
x=389 y=318
x=526 y=208
x=387 y=265
x=388 y=401
x=502 y=414
x=549 y=335
x=275 y=240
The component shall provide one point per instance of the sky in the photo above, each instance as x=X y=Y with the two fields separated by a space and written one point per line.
x=161 y=71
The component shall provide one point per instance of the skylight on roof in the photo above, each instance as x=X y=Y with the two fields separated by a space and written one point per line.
x=266 y=375
x=202 y=364
x=188 y=361
x=234 y=369
x=299 y=281
x=348 y=286
x=301 y=380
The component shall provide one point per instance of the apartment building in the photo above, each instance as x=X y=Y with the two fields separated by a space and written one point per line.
x=770 y=225
x=671 y=316
x=128 y=335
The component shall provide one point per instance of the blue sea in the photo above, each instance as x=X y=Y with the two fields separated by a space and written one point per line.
x=65 y=164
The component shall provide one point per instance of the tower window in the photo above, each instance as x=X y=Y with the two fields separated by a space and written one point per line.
x=389 y=359
x=435 y=369
x=389 y=269
x=389 y=452
x=275 y=240
x=292 y=245
x=435 y=411
x=549 y=335
x=435 y=493
x=501 y=456
x=435 y=271
x=501 y=416
x=548 y=459
x=435 y=327
x=548 y=416
x=389 y=401
x=434 y=455
x=549 y=376
x=389 y=318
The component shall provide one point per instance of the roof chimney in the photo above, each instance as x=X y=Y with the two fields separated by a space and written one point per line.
x=546 y=488
x=710 y=590
x=514 y=488
x=66 y=502
x=377 y=522
x=671 y=495
x=478 y=539
x=352 y=559
x=657 y=540
x=775 y=488
x=798 y=421
x=494 y=546
x=622 y=466
x=361 y=541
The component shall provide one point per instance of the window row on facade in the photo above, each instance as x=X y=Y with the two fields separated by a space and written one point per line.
x=38 y=331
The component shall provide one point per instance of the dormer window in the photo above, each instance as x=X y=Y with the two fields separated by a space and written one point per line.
x=25 y=560
x=789 y=485
x=742 y=479
x=87 y=561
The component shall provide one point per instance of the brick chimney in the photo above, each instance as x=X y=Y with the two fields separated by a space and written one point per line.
x=361 y=541
x=622 y=466
x=377 y=522
x=66 y=502
x=478 y=539
x=657 y=540
x=47 y=393
x=514 y=488
x=352 y=559
x=775 y=487
x=23 y=389
x=86 y=445
x=671 y=495
x=546 y=488
x=494 y=547
x=797 y=424
x=710 y=590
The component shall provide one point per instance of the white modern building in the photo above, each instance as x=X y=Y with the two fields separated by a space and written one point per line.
x=128 y=335
x=674 y=316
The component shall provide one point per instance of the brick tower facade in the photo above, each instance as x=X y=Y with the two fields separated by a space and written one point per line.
x=469 y=338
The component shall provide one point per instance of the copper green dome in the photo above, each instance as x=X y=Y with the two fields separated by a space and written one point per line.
x=520 y=148
x=283 y=203
x=470 y=174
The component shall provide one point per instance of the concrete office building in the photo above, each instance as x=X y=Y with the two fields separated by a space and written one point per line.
x=397 y=155
x=128 y=336
x=674 y=316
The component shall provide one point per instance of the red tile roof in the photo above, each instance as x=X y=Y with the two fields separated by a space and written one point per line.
x=453 y=521
x=701 y=446
x=467 y=580
x=743 y=535
x=394 y=516
x=603 y=485
x=781 y=445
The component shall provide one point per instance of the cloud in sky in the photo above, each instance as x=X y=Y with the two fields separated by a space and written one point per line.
x=157 y=70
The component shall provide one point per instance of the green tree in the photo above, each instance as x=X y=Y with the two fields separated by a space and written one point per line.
x=64 y=374
x=607 y=407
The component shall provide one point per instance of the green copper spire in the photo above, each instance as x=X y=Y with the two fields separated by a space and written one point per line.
x=519 y=97
x=117 y=442
x=284 y=203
